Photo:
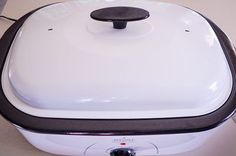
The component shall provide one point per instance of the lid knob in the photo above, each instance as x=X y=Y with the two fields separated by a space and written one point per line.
x=119 y=15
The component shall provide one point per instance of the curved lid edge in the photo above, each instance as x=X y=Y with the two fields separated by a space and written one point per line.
x=119 y=127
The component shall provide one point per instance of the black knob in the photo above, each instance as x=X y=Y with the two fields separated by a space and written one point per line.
x=119 y=15
x=122 y=152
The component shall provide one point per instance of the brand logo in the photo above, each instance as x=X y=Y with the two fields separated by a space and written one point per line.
x=124 y=139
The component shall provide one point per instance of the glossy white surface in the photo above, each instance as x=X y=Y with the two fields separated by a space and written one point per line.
x=151 y=69
x=221 y=143
x=144 y=145
x=123 y=73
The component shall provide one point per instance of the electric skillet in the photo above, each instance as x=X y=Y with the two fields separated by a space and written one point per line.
x=116 y=78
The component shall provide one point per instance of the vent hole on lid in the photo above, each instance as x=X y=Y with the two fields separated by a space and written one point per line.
x=50 y=29
x=187 y=30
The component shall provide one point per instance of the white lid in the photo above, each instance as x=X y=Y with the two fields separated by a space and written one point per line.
x=64 y=64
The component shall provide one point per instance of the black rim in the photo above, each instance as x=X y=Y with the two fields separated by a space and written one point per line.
x=117 y=126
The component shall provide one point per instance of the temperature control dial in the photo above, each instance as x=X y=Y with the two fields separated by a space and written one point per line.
x=122 y=152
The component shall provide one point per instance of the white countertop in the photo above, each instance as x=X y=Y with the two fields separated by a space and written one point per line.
x=223 y=13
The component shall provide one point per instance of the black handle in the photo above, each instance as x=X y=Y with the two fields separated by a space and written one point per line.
x=119 y=15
